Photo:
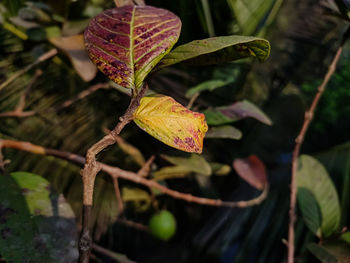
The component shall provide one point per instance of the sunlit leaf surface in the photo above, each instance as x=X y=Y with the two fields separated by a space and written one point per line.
x=170 y=122
x=126 y=43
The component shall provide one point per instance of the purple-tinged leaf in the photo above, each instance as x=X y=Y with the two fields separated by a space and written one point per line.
x=252 y=170
x=237 y=111
x=126 y=43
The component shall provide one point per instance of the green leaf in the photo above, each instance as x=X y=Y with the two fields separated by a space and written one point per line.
x=194 y=163
x=224 y=132
x=346 y=237
x=139 y=197
x=36 y=225
x=126 y=43
x=217 y=50
x=207 y=85
x=250 y=13
x=171 y=123
x=237 y=111
x=314 y=177
x=171 y=172
x=331 y=251
x=321 y=253
x=220 y=168
x=310 y=210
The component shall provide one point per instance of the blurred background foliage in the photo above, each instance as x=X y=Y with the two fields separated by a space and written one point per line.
x=303 y=36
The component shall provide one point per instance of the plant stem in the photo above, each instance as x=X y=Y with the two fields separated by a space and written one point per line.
x=91 y=169
x=298 y=142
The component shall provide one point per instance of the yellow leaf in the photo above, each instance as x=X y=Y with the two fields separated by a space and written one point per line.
x=171 y=123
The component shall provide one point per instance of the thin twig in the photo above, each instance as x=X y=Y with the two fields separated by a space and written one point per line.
x=40 y=59
x=144 y=171
x=91 y=169
x=118 y=196
x=82 y=95
x=118 y=257
x=298 y=142
x=18 y=112
x=131 y=176
x=192 y=100
x=132 y=224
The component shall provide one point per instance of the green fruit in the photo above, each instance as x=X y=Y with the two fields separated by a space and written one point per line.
x=162 y=225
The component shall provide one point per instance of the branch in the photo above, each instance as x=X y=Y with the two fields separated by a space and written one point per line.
x=82 y=95
x=298 y=142
x=18 y=112
x=40 y=59
x=91 y=169
x=116 y=172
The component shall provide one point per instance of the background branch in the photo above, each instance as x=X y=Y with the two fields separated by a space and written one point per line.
x=116 y=172
x=298 y=142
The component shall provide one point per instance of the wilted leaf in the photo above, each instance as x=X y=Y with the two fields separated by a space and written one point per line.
x=171 y=172
x=131 y=150
x=220 y=168
x=314 y=177
x=194 y=163
x=310 y=210
x=252 y=170
x=224 y=132
x=207 y=85
x=171 y=123
x=126 y=43
x=217 y=50
x=332 y=251
x=36 y=225
x=235 y=112
x=74 y=47
x=139 y=197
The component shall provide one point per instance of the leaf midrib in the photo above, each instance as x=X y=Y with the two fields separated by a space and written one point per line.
x=132 y=46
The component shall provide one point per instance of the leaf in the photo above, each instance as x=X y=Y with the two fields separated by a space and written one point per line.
x=346 y=237
x=36 y=225
x=310 y=210
x=74 y=48
x=237 y=111
x=217 y=50
x=171 y=123
x=139 y=197
x=321 y=253
x=331 y=251
x=250 y=14
x=252 y=170
x=171 y=172
x=224 y=132
x=126 y=43
x=314 y=177
x=220 y=168
x=131 y=150
x=194 y=163
x=207 y=85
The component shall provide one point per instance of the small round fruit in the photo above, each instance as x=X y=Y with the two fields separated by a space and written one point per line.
x=163 y=225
